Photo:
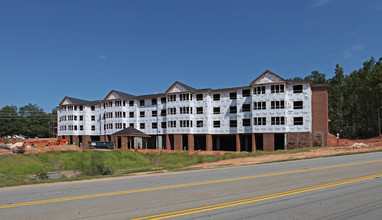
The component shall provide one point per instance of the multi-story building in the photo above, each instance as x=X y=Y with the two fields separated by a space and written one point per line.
x=268 y=114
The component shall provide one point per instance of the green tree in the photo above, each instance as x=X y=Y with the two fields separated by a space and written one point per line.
x=9 y=121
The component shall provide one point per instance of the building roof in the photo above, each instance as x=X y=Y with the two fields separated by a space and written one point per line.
x=131 y=131
x=76 y=101
x=124 y=95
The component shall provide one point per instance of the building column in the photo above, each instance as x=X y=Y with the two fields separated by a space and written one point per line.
x=253 y=142
x=168 y=143
x=237 y=142
x=208 y=142
x=76 y=140
x=85 y=140
x=269 y=141
x=190 y=142
x=124 y=142
x=178 y=141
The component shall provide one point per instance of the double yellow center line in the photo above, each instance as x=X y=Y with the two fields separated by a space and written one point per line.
x=256 y=199
x=176 y=186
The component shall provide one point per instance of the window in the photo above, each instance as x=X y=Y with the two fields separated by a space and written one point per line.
x=233 y=95
x=118 y=125
x=199 y=110
x=216 y=97
x=118 y=103
x=277 y=88
x=81 y=108
x=259 y=105
x=184 y=97
x=171 y=98
x=142 y=114
x=142 y=125
x=298 y=121
x=154 y=113
x=246 y=92
x=131 y=125
x=93 y=118
x=93 y=127
x=163 y=100
x=131 y=103
x=171 y=111
x=277 y=120
x=154 y=125
x=75 y=118
x=217 y=110
x=124 y=103
x=131 y=114
x=260 y=121
x=199 y=97
x=93 y=108
x=277 y=104
x=259 y=90
x=81 y=117
x=124 y=125
x=185 y=123
x=118 y=114
x=124 y=114
x=81 y=127
x=141 y=102
x=246 y=122
x=233 y=123
x=232 y=109
x=297 y=105
x=154 y=102
x=185 y=110
x=172 y=124
x=163 y=112
x=108 y=115
x=164 y=125
x=216 y=124
x=75 y=108
x=246 y=107
x=75 y=127
x=297 y=89
x=199 y=124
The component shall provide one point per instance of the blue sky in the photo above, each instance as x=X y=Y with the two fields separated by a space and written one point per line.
x=84 y=49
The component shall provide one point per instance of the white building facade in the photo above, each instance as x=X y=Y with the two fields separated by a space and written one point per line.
x=269 y=114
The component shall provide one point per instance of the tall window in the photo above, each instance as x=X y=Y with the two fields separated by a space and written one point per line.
x=259 y=90
x=260 y=121
x=259 y=105
x=171 y=111
x=142 y=125
x=277 y=104
x=141 y=102
x=277 y=120
x=131 y=103
x=154 y=113
x=277 y=88
x=172 y=124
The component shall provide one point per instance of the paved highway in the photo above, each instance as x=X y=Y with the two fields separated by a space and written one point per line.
x=346 y=187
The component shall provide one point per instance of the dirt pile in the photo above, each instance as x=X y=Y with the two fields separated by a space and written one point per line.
x=332 y=141
x=53 y=148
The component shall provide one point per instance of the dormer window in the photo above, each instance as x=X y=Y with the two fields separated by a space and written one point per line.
x=259 y=90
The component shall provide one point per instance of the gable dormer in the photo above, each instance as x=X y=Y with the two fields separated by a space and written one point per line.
x=179 y=87
x=267 y=77
x=112 y=95
x=66 y=101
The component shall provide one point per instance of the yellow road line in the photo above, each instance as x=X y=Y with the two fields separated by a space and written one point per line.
x=256 y=199
x=176 y=186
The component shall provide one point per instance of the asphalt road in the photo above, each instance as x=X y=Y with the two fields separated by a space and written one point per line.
x=346 y=187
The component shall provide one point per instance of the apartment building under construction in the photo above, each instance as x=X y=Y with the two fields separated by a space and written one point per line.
x=268 y=114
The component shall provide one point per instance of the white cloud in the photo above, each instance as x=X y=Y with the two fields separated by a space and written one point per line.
x=350 y=52
x=319 y=3
x=102 y=57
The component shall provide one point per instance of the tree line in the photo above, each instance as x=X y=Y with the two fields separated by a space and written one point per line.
x=29 y=120
x=354 y=105
x=354 y=99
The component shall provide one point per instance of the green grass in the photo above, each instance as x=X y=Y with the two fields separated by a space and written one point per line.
x=17 y=169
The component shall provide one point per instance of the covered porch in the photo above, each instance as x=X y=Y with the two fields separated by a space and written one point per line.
x=124 y=139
